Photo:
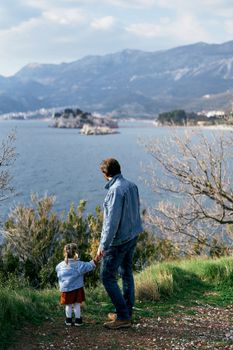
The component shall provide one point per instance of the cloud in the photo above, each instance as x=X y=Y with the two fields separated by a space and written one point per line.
x=196 y=6
x=199 y=7
x=185 y=28
x=12 y=16
x=43 y=30
x=132 y=3
x=21 y=28
x=42 y=4
x=147 y=30
x=68 y=17
x=103 y=23
x=117 y=3
x=64 y=16
x=65 y=40
x=45 y=4
x=228 y=25
x=38 y=4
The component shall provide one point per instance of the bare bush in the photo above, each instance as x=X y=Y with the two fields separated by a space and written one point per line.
x=193 y=171
x=7 y=158
x=31 y=232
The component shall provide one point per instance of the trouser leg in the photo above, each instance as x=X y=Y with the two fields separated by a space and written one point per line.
x=109 y=269
x=115 y=257
x=126 y=270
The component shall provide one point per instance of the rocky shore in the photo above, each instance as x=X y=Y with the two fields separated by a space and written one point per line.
x=97 y=130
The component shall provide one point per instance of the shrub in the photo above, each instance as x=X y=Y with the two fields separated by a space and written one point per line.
x=145 y=251
x=146 y=286
x=154 y=282
x=32 y=235
x=36 y=237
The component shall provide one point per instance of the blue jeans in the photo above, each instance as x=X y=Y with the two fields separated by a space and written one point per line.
x=120 y=258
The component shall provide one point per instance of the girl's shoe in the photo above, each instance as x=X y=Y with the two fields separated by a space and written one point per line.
x=68 y=321
x=78 y=322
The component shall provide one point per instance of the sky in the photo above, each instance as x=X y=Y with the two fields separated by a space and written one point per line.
x=55 y=31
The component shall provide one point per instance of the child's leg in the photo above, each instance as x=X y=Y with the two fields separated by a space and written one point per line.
x=77 y=310
x=68 y=310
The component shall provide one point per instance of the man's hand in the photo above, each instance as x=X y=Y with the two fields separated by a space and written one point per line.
x=98 y=257
x=99 y=254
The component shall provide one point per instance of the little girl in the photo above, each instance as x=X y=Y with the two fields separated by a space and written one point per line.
x=70 y=274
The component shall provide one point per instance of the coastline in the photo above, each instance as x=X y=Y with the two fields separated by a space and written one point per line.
x=217 y=127
x=210 y=127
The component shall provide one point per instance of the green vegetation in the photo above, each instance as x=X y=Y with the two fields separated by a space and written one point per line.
x=177 y=117
x=36 y=235
x=161 y=289
x=20 y=304
x=181 y=117
x=169 y=288
x=182 y=278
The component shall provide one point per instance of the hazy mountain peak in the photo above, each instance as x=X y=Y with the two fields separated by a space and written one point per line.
x=34 y=65
x=134 y=80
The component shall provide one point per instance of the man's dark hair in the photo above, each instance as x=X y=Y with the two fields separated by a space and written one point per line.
x=110 y=167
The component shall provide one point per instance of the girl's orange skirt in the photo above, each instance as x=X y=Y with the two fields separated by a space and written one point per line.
x=75 y=296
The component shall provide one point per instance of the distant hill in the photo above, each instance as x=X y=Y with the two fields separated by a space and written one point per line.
x=131 y=82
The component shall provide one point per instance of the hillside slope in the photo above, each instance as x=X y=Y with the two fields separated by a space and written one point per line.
x=129 y=82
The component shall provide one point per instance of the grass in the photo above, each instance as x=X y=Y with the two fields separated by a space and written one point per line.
x=183 y=277
x=181 y=285
x=161 y=289
x=168 y=288
x=24 y=305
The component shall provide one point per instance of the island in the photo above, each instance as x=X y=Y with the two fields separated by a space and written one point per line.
x=90 y=124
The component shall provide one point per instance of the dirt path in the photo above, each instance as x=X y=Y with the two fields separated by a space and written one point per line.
x=199 y=327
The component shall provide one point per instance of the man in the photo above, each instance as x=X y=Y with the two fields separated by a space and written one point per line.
x=121 y=226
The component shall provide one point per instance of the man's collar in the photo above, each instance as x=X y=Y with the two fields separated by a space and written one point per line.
x=113 y=179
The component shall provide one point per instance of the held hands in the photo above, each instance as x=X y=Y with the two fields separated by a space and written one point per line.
x=100 y=253
x=98 y=256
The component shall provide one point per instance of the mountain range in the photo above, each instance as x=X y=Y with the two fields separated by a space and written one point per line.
x=127 y=83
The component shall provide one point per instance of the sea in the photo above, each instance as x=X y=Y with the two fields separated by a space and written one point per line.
x=65 y=163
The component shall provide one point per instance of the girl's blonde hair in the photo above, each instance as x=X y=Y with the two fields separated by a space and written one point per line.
x=70 y=252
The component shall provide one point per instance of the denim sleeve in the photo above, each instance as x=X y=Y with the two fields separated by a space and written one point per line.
x=112 y=217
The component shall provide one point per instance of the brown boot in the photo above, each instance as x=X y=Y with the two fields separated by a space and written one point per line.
x=118 y=324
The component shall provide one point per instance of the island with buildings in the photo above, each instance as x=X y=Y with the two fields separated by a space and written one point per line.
x=204 y=118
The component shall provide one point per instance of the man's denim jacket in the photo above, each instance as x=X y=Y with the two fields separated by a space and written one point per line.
x=70 y=276
x=122 y=220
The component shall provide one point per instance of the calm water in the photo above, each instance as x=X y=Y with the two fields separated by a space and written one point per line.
x=64 y=163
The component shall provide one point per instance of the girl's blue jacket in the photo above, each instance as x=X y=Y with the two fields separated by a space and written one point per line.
x=70 y=276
